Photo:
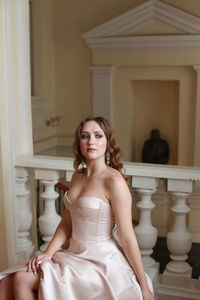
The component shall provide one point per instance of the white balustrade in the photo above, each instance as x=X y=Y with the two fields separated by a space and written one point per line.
x=145 y=179
x=49 y=220
x=24 y=214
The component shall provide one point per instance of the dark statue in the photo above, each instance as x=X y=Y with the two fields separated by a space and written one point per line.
x=155 y=149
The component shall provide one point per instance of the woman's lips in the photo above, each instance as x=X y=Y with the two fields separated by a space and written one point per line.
x=91 y=149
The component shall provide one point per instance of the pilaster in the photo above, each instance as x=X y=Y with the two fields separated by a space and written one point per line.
x=102 y=91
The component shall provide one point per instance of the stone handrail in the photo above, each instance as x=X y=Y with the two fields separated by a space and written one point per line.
x=132 y=169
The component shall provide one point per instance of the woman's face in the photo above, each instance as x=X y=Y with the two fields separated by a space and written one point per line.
x=93 y=141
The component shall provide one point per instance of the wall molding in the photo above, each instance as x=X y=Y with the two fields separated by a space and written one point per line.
x=53 y=144
x=119 y=33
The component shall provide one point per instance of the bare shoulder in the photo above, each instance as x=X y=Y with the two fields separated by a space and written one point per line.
x=115 y=179
x=115 y=184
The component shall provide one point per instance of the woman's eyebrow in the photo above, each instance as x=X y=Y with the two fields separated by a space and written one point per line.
x=98 y=131
x=89 y=132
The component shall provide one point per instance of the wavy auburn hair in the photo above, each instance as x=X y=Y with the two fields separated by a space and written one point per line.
x=111 y=148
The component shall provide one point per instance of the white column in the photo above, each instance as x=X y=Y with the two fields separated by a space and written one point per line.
x=179 y=240
x=15 y=111
x=24 y=215
x=102 y=91
x=49 y=220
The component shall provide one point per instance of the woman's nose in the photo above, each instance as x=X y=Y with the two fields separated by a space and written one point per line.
x=91 y=140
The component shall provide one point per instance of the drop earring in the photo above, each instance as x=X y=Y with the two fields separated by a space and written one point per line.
x=107 y=158
x=82 y=162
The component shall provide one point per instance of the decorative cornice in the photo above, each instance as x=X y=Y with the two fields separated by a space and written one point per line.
x=118 y=33
x=145 y=43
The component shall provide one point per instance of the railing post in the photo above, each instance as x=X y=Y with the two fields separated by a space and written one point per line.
x=145 y=232
x=24 y=215
x=49 y=220
x=179 y=240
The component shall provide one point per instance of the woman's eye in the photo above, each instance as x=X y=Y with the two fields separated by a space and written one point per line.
x=98 y=136
x=84 y=137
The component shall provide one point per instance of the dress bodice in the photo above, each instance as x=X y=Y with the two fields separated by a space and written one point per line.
x=92 y=218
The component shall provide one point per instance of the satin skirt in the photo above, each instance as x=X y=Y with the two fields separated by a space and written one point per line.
x=87 y=272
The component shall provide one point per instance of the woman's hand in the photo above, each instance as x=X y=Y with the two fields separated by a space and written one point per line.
x=34 y=264
x=147 y=294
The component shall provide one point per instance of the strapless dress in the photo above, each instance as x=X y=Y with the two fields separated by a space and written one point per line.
x=93 y=267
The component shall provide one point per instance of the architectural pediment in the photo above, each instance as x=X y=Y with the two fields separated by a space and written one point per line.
x=151 y=25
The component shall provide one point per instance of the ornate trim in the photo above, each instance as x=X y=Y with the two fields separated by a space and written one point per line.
x=118 y=33
x=145 y=42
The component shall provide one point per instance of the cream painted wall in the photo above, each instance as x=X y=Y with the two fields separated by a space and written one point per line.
x=43 y=72
x=124 y=107
x=156 y=106
x=192 y=6
x=72 y=58
x=66 y=80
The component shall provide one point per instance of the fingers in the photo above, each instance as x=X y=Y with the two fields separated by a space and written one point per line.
x=34 y=264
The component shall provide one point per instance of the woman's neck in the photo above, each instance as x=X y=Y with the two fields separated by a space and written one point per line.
x=94 y=168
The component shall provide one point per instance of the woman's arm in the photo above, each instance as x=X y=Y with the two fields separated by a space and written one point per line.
x=64 y=229
x=121 y=202
x=61 y=236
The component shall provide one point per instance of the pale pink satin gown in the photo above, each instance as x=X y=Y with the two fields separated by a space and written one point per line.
x=93 y=267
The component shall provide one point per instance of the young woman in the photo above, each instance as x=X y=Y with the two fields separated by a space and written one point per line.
x=92 y=266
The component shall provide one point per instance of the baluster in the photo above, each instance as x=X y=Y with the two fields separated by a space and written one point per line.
x=145 y=232
x=49 y=220
x=24 y=215
x=179 y=240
